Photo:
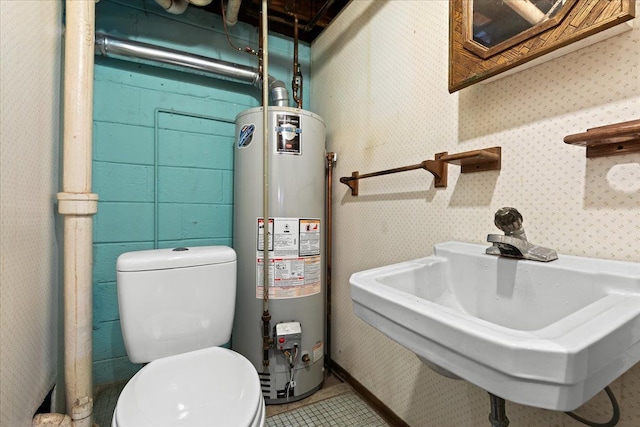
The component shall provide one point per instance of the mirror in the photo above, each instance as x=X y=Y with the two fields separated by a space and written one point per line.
x=491 y=26
x=487 y=37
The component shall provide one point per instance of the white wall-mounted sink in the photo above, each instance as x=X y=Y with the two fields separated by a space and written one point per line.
x=550 y=335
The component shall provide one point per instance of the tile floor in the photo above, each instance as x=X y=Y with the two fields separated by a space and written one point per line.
x=335 y=405
x=345 y=410
x=105 y=398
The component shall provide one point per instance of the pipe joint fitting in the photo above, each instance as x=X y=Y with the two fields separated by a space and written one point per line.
x=280 y=97
x=52 y=420
x=82 y=412
x=279 y=92
x=77 y=203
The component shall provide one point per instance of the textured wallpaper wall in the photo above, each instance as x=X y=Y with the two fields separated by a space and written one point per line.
x=29 y=143
x=380 y=81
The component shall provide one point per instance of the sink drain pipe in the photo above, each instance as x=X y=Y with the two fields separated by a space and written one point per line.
x=498 y=415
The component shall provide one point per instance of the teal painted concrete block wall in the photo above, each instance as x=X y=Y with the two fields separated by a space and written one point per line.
x=163 y=150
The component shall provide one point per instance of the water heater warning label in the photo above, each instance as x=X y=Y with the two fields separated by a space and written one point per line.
x=294 y=257
x=309 y=237
x=288 y=134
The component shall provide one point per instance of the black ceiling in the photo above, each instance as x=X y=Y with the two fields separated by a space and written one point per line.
x=313 y=15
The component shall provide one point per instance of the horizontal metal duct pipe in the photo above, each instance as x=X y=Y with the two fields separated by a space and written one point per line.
x=144 y=53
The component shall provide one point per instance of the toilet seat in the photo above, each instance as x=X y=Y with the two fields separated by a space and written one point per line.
x=210 y=387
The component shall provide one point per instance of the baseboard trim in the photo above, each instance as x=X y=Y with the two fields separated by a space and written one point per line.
x=382 y=409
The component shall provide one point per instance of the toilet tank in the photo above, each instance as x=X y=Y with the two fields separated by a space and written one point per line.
x=172 y=301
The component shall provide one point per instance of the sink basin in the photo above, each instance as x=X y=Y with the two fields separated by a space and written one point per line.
x=549 y=335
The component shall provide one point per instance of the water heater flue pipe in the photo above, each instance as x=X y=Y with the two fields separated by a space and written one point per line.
x=144 y=53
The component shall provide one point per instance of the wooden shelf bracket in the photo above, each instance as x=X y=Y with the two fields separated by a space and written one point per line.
x=471 y=161
x=610 y=140
x=486 y=159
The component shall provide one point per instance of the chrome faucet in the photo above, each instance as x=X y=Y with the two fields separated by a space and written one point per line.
x=514 y=242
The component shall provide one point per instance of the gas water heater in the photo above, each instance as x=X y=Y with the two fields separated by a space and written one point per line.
x=292 y=368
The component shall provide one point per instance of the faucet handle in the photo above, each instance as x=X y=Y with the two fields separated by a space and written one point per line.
x=509 y=220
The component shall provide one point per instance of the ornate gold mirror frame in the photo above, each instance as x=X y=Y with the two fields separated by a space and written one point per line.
x=470 y=62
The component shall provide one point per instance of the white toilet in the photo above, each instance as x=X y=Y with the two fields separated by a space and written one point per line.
x=176 y=307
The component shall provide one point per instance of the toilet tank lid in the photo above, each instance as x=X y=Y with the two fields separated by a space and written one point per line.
x=163 y=259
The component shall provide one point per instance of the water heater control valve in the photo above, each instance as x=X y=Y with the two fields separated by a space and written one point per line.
x=288 y=335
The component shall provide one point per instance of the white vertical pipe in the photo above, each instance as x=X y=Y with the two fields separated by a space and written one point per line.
x=78 y=95
x=78 y=204
x=231 y=16
x=176 y=7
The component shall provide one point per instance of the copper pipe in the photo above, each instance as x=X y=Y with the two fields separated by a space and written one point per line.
x=296 y=82
x=294 y=85
x=331 y=158
x=260 y=45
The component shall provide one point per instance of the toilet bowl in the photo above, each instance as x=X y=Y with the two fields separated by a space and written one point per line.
x=210 y=387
